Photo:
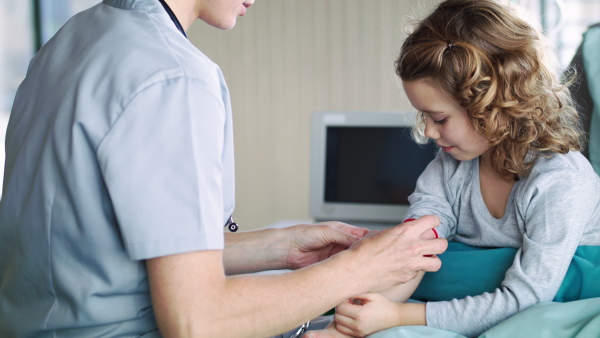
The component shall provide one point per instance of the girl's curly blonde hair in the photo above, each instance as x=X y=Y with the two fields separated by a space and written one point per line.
x=498 y=65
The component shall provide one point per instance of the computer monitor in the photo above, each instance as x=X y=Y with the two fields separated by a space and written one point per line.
x=364 y=165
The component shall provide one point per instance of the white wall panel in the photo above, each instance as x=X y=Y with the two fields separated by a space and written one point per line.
x=283 y=61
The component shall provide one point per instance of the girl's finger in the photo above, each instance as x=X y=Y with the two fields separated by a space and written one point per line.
x=345 y=330
x=342 y=320
x=347 y=309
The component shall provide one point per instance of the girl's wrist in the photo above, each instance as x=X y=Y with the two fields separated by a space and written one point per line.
x=398 y=315
x=412 y=314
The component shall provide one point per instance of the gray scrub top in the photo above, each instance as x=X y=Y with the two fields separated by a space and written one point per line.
x=119 y=148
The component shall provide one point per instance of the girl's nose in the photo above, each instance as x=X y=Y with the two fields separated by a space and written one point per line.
x=431 y=129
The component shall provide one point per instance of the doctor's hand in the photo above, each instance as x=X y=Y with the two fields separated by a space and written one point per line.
x=394 y=256
x=315 y=242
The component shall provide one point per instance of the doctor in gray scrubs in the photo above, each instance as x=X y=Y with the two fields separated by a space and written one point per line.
x=119 y=179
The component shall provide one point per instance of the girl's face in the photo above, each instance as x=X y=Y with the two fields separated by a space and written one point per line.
x=222 y=14
x=446 y=122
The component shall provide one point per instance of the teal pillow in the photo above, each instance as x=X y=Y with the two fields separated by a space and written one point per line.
x=471 y=271
x=582 y=280
x=465 y=271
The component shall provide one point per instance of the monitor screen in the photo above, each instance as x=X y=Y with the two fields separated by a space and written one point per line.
x=373 y=165
x=364 y=165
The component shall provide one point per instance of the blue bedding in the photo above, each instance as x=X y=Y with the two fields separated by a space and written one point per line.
x=577 y=319
x=575 y=311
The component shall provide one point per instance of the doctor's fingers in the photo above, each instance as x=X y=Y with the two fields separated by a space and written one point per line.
x=429 y=263
x=341 y=233
x=417 y=226
x=409 y=261
x=422 y=255
x=408 y=245
x=433 y=246
x=351 y=229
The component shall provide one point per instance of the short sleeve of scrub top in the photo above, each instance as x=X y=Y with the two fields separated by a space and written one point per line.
x=162 y=161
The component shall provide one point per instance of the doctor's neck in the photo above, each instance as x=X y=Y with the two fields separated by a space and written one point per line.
x=186 y=11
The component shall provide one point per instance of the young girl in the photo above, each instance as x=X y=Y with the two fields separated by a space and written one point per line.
x=509 y=173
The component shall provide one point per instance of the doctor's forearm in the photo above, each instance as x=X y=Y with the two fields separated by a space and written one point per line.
x=252 y=251
x=287 y=300
x=192 y=298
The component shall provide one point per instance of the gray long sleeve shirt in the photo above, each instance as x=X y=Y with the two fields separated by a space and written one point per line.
x=550 y=212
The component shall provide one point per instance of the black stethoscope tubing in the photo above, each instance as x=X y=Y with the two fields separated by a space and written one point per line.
x=173 y=17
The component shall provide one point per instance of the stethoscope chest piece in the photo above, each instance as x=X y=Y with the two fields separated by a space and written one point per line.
x=231 y=225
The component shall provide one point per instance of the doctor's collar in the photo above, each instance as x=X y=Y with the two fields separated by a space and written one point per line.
x=173 y=17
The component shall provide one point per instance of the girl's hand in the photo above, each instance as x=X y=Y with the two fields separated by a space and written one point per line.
x=372 y=312
x=366 y=314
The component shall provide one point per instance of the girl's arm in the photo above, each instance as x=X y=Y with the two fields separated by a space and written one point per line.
x=402 y=292
x=554 y=208
x=432 y=195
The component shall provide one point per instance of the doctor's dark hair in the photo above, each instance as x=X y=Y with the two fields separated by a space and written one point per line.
x=500 y=68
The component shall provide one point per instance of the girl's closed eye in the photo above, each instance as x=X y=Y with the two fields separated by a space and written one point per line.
x=441 y=121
